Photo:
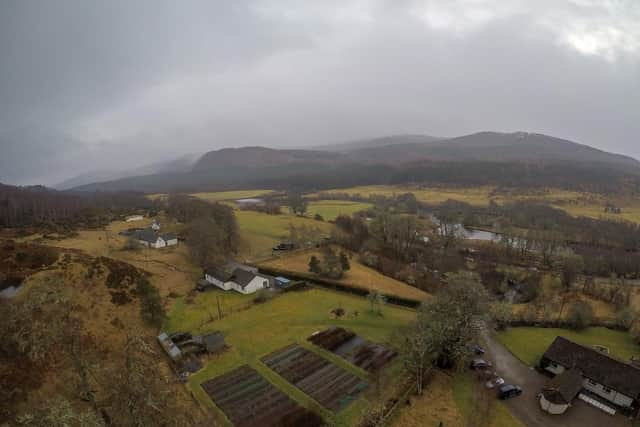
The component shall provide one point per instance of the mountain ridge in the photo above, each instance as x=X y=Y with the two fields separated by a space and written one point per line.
x=228 y=167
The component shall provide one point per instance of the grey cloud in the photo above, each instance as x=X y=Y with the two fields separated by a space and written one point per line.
x=110 y=85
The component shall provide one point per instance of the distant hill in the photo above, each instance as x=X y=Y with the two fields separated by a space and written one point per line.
x=389 y=158
x=497 y=147
x=391 y=140
x=182 y=164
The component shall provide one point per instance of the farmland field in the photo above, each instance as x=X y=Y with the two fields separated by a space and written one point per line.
x=574 y=203
x=328 y=384
x=247 y=399
x=290 y=318
x=528 y=344
x=330 y=209
x=260 y=232
x=359 y=275
x=231 y=195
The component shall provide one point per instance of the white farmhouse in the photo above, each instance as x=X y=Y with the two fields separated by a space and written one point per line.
x=134 y=218
x=155 y=225
x=240 y=280
x=150 y=239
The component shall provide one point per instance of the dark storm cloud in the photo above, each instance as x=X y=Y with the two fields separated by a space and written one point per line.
x=112 y=85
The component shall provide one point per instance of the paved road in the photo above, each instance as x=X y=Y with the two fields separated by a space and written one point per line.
x=526 y=407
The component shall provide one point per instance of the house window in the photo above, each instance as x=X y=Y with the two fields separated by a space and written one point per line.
x=554 y=365
x=593 y=383
x=606 y=389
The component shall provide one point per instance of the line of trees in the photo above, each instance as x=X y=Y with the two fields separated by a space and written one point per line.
x=211 y=229
x=39 y=206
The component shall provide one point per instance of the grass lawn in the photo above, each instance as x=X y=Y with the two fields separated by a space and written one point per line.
x=189 y=314
x=289 y=318
x=359 y=275
x=260 y=232
x=330 y=209
x=456 y=402
x=528 y=344
x=466 y=390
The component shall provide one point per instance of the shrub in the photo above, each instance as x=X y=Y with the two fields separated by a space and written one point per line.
x=318 y=217
x=263 y=295
x=580 y=315
x=635 y=331
x=625 y=318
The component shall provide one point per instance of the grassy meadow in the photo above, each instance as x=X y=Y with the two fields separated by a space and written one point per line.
x=289 y=318
x=528 y=344
x=330 y=209
x=574 y=203
x=359 y=275
x=260 y=232
x=231 y=195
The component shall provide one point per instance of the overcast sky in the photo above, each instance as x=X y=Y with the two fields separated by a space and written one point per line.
x=106 y=85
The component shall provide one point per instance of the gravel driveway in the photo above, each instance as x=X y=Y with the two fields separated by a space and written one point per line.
x=526 y=407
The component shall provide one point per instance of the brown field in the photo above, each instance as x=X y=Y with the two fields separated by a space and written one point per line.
x=434 y=406
x=359 y=275
x=107 y=323
x=171 y=270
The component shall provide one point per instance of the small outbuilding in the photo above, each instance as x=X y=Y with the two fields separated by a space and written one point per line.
x=557 y=395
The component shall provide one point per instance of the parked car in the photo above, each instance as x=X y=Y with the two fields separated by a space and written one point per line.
x=477 y=349
x=508 y=391
x=480 y=364
x=494 y=382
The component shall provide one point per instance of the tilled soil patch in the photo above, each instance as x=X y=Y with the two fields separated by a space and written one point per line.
x=248 y=400
x=331 y=386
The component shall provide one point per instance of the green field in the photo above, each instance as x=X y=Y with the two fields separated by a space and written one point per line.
x=574 y=203
x=289 y=318
x=528 y=344
x=260 y=231
x=231 y=195
x=330 y=209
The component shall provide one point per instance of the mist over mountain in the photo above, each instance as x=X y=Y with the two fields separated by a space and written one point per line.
x=386 y=158
x=181 y=164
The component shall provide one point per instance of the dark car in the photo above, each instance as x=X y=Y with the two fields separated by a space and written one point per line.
x=480 y=364
x=507 y=391
x=477 y=349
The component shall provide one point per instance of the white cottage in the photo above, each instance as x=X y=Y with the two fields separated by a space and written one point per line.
x=610 y=379
x=240 y=280
x=150 y=239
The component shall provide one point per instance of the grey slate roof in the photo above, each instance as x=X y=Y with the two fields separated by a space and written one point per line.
x=217 y=273
x=146 y=235
x=564 y=387
x=593 y=364
x=168 y=236
x=242 y=277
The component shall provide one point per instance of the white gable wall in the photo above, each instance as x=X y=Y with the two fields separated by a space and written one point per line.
x=219 y=283
x=256 y=284
x=160 y=243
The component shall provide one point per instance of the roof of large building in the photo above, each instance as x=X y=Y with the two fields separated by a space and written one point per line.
x=218 y=273
x=146 y=235
x=168 y=236
x=564 y=387
x=596 y=365
x=242 y=277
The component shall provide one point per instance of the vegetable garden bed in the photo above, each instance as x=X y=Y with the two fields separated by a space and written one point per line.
x=248 y=399
x=331 y=386
x=364 y=354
